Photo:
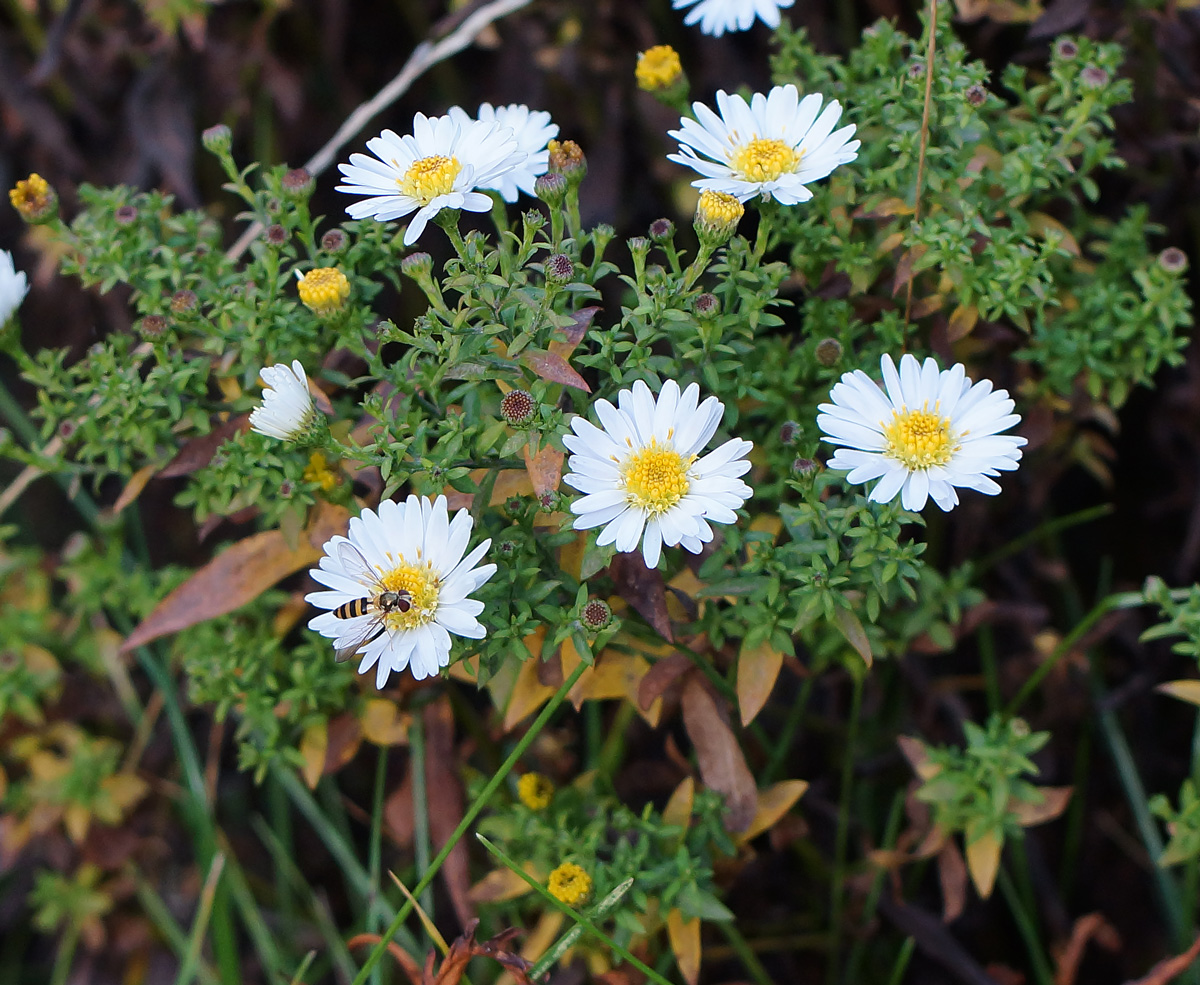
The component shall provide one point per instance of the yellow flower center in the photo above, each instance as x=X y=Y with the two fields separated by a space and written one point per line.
x=764 y=160
x=570 y=884
x=324 y=290
x=429 y=177
x=32 y=197
x=719 y=209
x=422 y=584
x=535 y=791
x=920 y=438
x=658 y=68
x=655 y=477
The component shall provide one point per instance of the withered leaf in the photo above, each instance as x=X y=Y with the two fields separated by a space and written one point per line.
x=236 y=576
x=444 y=793
x=198 y=452
x=722 y=764
x=952 y=874
x=643 y=589
x=464 y=948
x=1068 y=956
x=757 y=670
x=685 y=944
x=1168 y=968
x=661 y=676
x=544 y=468
x=553 y=367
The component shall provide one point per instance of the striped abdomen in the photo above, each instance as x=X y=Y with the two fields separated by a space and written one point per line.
x=354 y=608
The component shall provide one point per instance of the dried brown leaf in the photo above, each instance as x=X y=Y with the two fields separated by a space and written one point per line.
x=952 y=874
x=581 y=321
x=553 y=367
x=722 y=764
x=198 y=452
x=643 y=589
x=544 y=468
x=661 y=676
x=1068 y=956
x=133 y=488
x=236 y=576
x=1168 y=968
x=685 y=944
x=757 y=671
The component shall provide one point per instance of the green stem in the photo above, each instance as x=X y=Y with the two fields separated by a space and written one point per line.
x=696 y=268
x=1049 y=529
x=745 y=952
x=420 y=795
x=375 y=848
x=473 y=812
x=843 y=831
x=902 y=959
x=1028 y=931
x=64 y=955
x=783 y=745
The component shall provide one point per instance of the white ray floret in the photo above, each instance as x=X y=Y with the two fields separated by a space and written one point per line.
x=772 y=146
x=287 y=408
x=533 y=131
x=440 y=165
x=643 y=475
x=928 y=432
x=411 y=547
x=13 y=287
x=718 y=16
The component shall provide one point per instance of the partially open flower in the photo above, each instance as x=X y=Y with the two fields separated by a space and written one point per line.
x=13 y=287
x=287 y=410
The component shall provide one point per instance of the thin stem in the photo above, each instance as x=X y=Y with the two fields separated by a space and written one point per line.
x=473 y=812
x=421 y=835
x=745 y=952
x=930 y=50
x=374 y=849
x=843 y=831
x=783 y=745
x=1025 y=925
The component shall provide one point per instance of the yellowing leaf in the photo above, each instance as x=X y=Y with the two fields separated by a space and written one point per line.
x=500 y=885
x=614 y=675
x=983 y=862
x=383 y=724
x=678 y=812
x=1054 y=801
x=133 y=488
x=757 y=671
x=962 y=321
x=773 y=803
x=313 y=745
x=685 y=943
x=850 y=627
x=1188 y=691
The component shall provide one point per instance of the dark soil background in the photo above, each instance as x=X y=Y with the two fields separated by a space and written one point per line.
x=111 y=92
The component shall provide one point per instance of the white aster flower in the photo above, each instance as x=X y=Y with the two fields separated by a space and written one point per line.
x=533 y=131
x=718 y=16
x=772 y=147
x=642 y=475
x=438 y=166
x=411 y=551
x=929 y=432
x=287 y=407
x=13 y=287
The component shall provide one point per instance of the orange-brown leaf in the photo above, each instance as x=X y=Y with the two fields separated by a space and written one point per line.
x=553 y=367
x=313 y=745
x=661 y=676
x=581 y=321
x=1091 y=926
x=757 y=670
x=133 y=488
x=1053 y=803
x=722 y=764
x=236 y=576
x=952 y=874
x=678 y=812
x=1168 y=968
x=685 y=944
x=851 y=628
x=544 y=468
x=198 y=452
x=643 y=589
x=771 y=805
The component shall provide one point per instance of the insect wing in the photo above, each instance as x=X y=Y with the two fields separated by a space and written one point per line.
x=371 y=630
x=357 y=566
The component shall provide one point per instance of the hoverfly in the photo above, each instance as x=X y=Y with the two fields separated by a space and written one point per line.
x=382 y=601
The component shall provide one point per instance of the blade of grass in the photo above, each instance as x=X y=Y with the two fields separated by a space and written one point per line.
x=160 y=916
x=421 y=836
x=191 y=957
x=473 y=812
x=1027 y=929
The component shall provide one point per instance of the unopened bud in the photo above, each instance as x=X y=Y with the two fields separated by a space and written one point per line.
x=518 y=408
x=1173 y=260
x=706 y=305
x=217 y=140
x=184 y=302
x=804 y=467
x=658 y=68
x=717 y=217
x=1093 y=77
x=417 y=265
x=559 y=268
x=789 y=431
x=126 y=215
x=1066 y=49
x=152 y=326
x=551 y=188
x=275 y=235
x=829 y=351
x=976 y=95
x=297 y=183
x=661 y=230
x=566 y=158
x=334 y=241
x=34 y=199
x=596 y=615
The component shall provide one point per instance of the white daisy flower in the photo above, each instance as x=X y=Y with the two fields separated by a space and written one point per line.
x=718 y=16
x=533 y=131
x=13 y=287
x=438 y=166
x=772 y=147
x=642 y=475
x=398 y=587
x=928 y=433
x=287 y=407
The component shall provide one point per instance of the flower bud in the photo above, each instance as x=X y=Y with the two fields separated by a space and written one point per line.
x=566 y=158
x=275 y=235
x=789 y=432
x=976 y=95
x=662 y=231
x=334 y=241
x=126 y=215
x=551 y=188
x=417 y=265
x=559 y=268
x=184 y=302
x=596 y=615
x=1093 y=77
x=706 y=305
x=1066 y=49
x=324 y=290
x=152 y=326
x=517 y=408
x=34 y=199
x=1173 y=260
x=217 y=140
x=829 y=351
x=804 y=467
x=717 y=217
x=659 y=69
x=298 y=183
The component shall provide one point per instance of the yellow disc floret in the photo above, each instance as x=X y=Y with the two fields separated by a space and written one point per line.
x=317 y=470
x=535 y=791
x=34 y=199
x=570 y=884
x=920 y=438
x=658 y=68
x=422 y=585
x=324 y=291
x=429 y=177
x=764 y=159
x=655 y=477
